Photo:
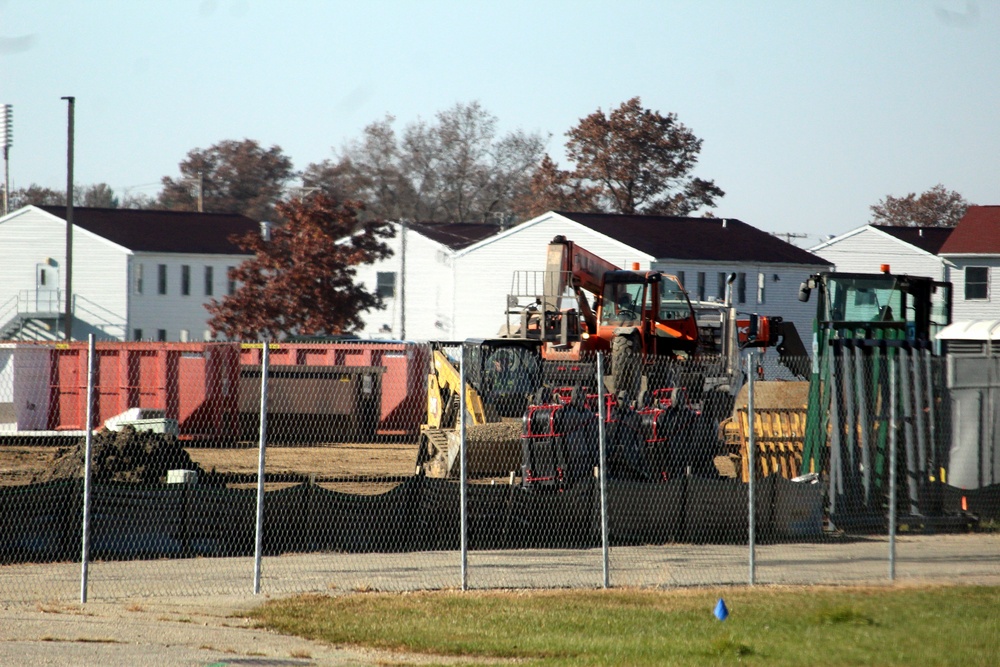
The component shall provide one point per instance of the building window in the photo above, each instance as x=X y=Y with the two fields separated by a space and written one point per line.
x=136 y=334
x=760 y=288
x=161 y=279
x=231 y=282
x=385 y=284
x=209 y=280
x=161 y=335
x=741 y=288
x=977 y=282
x=701 y=286
x=185 y=280
x=721 y=286
x=680 y=278
x=138 y=278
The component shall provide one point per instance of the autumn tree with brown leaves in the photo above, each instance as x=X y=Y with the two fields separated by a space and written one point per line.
x=633 y=160
x=937 y=207
x=301 y=281
x=234 y=177
x=552 y=189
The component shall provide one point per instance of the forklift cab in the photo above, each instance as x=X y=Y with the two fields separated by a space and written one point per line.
x=867 y=306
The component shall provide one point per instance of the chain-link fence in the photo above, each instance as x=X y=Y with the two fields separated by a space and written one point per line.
x=131 y=469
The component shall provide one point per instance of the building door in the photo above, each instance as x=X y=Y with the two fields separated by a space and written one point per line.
x=46 y=288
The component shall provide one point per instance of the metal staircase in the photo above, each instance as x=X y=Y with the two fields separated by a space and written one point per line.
x=31 y=315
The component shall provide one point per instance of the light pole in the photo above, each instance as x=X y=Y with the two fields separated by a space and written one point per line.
x=69 y=220
x=6 y=140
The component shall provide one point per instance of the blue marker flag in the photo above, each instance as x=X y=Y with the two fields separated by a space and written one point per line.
x=721 y=612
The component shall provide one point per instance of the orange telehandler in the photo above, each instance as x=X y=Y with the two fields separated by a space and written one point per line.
x=635 y=315
x=639 y=316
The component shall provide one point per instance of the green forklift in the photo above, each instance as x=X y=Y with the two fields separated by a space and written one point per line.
x=875 y=383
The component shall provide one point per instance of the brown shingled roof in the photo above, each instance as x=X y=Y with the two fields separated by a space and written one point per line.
x=977 y=233
x=456 y=235
x=162 y=231
x=929 y=239
x=706 y=239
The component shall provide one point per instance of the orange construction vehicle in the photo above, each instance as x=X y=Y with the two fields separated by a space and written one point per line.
x=635 y=314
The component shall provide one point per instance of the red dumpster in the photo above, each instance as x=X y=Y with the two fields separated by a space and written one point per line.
x=403 y=383
x=192 y=383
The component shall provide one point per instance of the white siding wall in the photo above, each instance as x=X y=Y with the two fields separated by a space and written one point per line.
x=484 y=273
x=781 y=296
x=174 y=312
x=429 y=290
x=454 y=296
x=866 y=250
x=977 y=309
x=31 y=237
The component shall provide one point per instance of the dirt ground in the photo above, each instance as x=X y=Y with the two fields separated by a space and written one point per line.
x=338 y=466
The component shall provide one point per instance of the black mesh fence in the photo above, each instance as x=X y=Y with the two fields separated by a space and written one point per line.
x=229 y=467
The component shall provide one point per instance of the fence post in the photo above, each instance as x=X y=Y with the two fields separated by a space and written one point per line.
x=463 y=480
x=262 y=447
x=751 y=466
x=88 y=454
x=603 y=484
x=861 y=390
x=892 y=465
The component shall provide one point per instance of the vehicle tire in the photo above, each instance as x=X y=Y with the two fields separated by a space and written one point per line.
x=626 y=365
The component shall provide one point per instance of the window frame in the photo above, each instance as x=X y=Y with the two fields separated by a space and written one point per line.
x=984 y=284
x=383 y=290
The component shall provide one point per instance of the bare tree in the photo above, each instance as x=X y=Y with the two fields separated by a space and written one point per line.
x=453 y=169
x=36 y=195
x=97 y=196
x=367 y=169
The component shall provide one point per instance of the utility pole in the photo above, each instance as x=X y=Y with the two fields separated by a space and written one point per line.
x=402 y=279
x=788 y=236
x=7 y=140
x=69 y=220
x=201 y=191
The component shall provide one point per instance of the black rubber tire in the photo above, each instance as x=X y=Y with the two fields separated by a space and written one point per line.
x=626 y=365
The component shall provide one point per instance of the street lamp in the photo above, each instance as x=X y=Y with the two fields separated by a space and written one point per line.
x=69 y=219
x=6 y=140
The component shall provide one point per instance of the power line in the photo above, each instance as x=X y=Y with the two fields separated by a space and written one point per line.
x=788 y=236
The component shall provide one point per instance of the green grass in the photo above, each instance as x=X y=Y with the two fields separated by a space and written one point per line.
x=957 y=625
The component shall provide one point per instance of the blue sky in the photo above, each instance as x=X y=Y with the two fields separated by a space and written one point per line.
x=810 y=112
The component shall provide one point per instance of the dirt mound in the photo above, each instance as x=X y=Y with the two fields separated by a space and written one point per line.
x=124 y=456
